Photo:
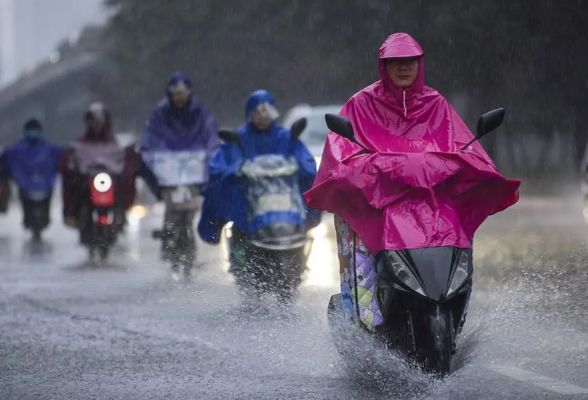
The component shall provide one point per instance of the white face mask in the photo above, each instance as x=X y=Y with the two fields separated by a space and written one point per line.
x=179 y=88
x=266 y=111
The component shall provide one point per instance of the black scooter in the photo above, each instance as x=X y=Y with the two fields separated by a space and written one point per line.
x=422 y=294
x=36 y=211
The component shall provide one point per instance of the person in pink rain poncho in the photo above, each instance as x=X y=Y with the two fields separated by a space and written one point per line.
x=413 y=188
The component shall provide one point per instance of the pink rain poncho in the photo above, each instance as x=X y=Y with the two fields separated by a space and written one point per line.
x=415 y=189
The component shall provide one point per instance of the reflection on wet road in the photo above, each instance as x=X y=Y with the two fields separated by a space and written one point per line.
x=69 y=329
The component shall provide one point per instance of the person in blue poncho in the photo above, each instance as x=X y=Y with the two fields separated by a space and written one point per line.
x=32 y=163
x=224 y=198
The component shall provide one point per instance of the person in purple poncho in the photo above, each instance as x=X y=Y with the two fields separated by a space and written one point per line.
x=179 y=124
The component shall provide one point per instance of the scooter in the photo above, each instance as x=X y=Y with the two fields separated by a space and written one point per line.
x=36 y=209
x=423 y=294
x=277 y=252
x=181 y=175
x=100 y=212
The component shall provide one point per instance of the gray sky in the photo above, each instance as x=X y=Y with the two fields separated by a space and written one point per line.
x=31 y=29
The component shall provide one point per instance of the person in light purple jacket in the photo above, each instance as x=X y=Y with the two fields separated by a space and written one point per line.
x=179 y=124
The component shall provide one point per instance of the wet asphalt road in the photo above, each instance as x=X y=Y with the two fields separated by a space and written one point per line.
x=126 y=330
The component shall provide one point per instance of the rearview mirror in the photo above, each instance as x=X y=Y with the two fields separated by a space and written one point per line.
x=489 y=122
x=228 y=136
x=486 y=124
x=297 y=128
x=340 y=125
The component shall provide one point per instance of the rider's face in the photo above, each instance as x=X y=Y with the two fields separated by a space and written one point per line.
x=261 y=120
x=403 y=71
x=96 y=127
x=180 y=99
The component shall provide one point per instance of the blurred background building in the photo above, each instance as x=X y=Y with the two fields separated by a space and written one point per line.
x=30 y=30
x=53 y=63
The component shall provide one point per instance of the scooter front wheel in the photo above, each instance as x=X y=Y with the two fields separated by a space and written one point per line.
x=436 y=345
x=36 y=235
x=103 y=252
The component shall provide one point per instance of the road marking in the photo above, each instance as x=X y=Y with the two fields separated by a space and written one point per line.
x=540 y=381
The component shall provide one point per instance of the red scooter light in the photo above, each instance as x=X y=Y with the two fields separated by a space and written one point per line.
x=104 y=219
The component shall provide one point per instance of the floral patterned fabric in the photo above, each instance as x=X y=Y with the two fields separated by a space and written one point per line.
x=354 y=259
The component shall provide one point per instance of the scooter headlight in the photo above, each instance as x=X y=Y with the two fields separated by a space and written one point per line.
x=102 y=182
x=403 y=273
x=461 y=272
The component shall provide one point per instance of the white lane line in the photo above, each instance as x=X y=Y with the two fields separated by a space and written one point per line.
x=540 y=381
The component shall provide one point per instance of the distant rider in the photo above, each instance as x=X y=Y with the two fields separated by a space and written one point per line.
x=99 y=143
x=32 y=164
x=179 y=123
x=225 y=198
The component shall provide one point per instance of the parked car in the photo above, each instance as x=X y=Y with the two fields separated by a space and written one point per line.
x=315 y=134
